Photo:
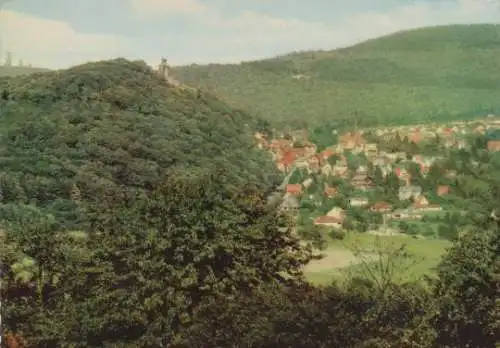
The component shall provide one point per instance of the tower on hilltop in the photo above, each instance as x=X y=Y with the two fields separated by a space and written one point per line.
x=164 y=72
x=164 y=68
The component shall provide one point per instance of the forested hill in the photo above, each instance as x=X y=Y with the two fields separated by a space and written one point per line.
x=421 y=75
x=66 y=136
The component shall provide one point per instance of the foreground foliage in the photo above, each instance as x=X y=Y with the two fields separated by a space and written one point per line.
x=178 y=245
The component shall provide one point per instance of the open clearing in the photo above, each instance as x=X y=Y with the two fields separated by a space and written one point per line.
x=333 y=259
x=340 y=260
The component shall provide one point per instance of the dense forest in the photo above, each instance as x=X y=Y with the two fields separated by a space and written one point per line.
x=135 y=214
x=68 y=135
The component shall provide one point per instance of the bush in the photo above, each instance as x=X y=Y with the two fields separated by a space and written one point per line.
x=337 y=234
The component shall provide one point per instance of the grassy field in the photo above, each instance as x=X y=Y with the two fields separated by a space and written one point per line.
x=422 y=255
x=429 y=74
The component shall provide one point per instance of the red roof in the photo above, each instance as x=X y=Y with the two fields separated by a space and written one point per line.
x=415 y=137
x=443 y=189
x=381 y=206
x=288 y=158
x=294 y=188
x=494 y=145
x=314 y=159
x=327 y=154
x=330 y=191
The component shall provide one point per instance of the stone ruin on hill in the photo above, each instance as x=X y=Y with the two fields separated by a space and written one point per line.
x=164 y=71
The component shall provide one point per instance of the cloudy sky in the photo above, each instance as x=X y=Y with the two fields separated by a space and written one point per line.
x=60 y=33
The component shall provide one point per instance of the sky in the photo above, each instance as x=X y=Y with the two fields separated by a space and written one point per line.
x=62 y=33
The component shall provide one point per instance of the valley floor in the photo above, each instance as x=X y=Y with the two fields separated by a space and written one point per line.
x=365 y=254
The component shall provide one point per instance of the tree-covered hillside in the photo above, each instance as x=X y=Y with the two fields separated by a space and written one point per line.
x=67 y=135
x=419 y=75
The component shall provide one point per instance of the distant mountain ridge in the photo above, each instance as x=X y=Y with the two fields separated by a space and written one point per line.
x=19 y=70
x=420 y=75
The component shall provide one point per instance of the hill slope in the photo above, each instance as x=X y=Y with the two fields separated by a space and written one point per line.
x=66 y=135
x=18 y=70
x=418 y=75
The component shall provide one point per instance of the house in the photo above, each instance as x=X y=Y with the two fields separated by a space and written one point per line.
x=262 y=144
x=447 y=132
x=361 y=181
x=385 y=169
x=381 y=207
x=371 y=149
x=418 y=159
x=494 y=145
x=406 y=214
x=293 y=189
x=285 y=164
x=420 y=202
x=461 y=144
x=306 y=183
x=432 y=207
x=358 y=201
x=327 y=169
x=290 y=204
x=362 y=170
x=314 y=163
x=259 y=136
x=403 y=175
x=351 y=140
x=442 y=190
x=340 y=168
x=283 y=144
x=329 y=221
x=410 y=191
x=330 y=191
x=448 y=143
x=424 y=169
x=336 y=212
x=394 y=156
x=310 y=148
x=299 y=135
x=450 y=174
x=301 y=163
x=480 y=129
x=357 y=149
x=326 y=154
x=299 y=152
x=415 y=137
x=380 y=161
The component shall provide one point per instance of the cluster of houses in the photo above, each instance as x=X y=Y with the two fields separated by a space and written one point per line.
x=296 y=153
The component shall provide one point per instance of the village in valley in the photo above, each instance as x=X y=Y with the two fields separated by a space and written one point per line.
x=383 y=180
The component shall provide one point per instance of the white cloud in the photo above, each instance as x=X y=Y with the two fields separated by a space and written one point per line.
x=212 y=34
x=167 y=7
x=251 y=35
x=54 y=44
